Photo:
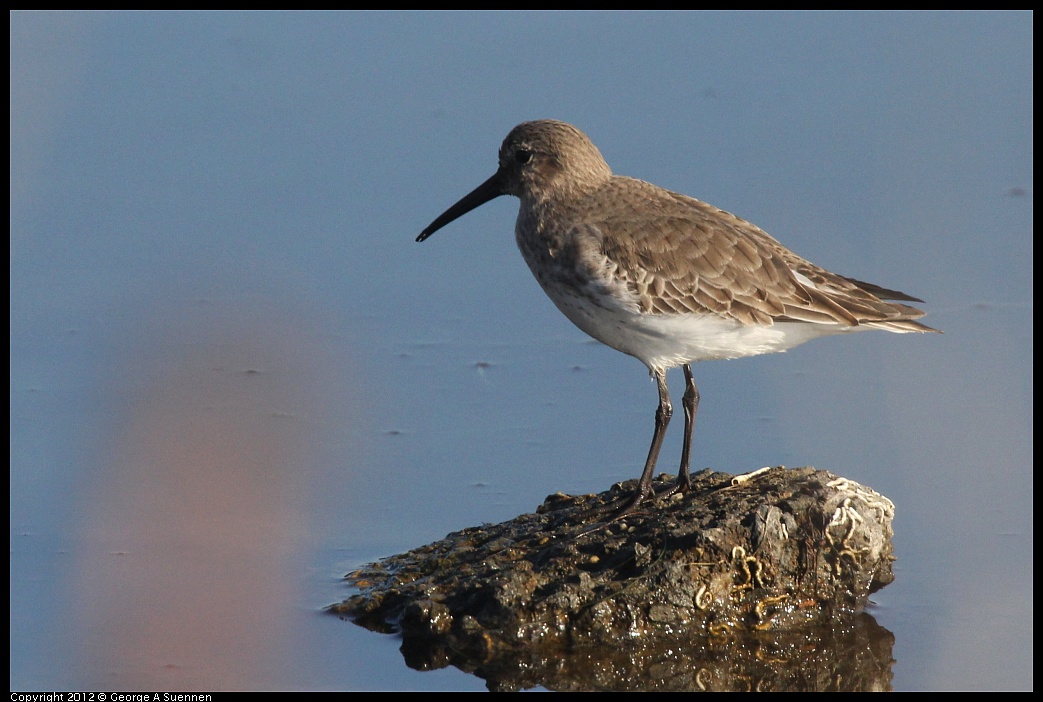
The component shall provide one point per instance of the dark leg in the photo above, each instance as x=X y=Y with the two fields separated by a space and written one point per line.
x=662 y=418
x=690 y=402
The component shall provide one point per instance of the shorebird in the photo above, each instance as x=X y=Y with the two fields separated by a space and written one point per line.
x=664 y=277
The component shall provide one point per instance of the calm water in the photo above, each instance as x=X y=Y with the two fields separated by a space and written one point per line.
x=234 y=375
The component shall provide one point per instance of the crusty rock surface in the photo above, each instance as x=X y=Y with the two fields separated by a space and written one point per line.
x=775 y=551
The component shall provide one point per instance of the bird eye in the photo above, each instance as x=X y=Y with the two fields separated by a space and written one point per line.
x=522 y=156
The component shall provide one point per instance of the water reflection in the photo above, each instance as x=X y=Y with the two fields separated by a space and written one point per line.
x=852 y=655
x=198 y=516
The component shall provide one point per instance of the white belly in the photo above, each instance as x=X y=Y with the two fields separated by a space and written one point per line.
x=663 y=341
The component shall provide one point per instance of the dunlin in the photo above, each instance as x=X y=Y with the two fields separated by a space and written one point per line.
x=664 y=277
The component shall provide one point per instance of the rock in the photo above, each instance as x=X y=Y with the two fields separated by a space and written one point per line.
x=774 y=552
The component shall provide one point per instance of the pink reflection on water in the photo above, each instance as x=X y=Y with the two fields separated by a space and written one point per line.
x=198 y=518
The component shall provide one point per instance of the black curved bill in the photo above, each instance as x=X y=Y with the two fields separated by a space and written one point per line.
x=488 y=190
